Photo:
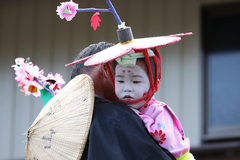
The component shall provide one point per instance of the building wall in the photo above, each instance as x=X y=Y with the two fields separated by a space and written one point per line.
x=32 y=29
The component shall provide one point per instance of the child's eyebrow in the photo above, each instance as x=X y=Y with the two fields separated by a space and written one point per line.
x=119 y=76
x=138 y=76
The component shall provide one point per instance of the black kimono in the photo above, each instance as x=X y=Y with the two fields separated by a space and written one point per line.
x=118 y=133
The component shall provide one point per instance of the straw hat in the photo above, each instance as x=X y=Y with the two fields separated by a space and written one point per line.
x=61 y=129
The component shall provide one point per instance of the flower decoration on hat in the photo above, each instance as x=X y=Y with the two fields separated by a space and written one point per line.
x=67 y=10
x=33 y=82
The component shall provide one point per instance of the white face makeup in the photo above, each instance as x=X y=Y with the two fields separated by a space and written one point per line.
x=131 y=83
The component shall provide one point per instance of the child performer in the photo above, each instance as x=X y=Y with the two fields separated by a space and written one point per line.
x=131 y=83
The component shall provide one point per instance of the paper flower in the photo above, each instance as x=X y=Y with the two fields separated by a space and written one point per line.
x=67 y=10
x=32 y=87
x=19 y=68
x=55 y=81
x=19 y=61
x=20 y=73
x=32 y=81
x=34 y=71
x=25 y=69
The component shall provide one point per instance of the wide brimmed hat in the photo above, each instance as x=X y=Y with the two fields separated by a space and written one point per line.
x=126 y=39
x=61 y=129
x=127 y=43
x=122 y=49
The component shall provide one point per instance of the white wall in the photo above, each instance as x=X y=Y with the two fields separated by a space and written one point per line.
x=32 y=29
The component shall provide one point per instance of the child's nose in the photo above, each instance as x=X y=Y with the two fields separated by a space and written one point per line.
x=127 y=88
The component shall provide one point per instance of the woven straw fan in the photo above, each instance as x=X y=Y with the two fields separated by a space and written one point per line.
x=60 y=130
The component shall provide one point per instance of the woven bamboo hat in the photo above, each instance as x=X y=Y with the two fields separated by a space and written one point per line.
x=60 y=130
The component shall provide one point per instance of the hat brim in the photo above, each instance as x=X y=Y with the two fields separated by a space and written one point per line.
x=119 y=49
x=78 y=61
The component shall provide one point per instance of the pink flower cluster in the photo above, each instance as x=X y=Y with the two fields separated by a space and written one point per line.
x=29 y=77
x=67 y=10
x=54 y=81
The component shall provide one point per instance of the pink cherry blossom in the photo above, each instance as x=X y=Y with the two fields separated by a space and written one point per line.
x=34 y=71
x=19 y=61
x=20 y=73
x=20 y=69
x=31 y=87
x=31 y=78
x=55 y=81
x=26 y=69
x=67 y=10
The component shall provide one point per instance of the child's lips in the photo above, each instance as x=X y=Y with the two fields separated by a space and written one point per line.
x=127 y=98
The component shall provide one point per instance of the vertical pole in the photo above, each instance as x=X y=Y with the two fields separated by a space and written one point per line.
x=114 y=12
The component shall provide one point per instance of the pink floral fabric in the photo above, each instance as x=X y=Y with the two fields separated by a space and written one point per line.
x=164 y=127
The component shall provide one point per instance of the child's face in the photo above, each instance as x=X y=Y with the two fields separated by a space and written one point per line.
x=131 y=83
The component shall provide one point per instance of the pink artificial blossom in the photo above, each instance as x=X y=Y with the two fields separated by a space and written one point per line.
x=20 y=69
x=19 y=61
x=20 y=73
x=67 y=10
x=33 y=71
x=31 y=78
x=31 y=87
x=25 y=69
x=55 y=81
